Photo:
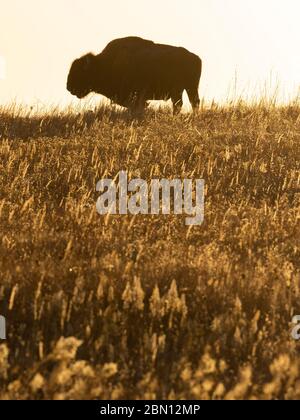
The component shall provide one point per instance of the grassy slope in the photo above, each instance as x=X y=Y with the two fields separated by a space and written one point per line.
x=162 y=310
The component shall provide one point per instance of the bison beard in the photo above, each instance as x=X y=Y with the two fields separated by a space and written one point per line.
x=131 y=71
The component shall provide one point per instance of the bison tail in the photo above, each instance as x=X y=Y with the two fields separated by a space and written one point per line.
x=199 y=66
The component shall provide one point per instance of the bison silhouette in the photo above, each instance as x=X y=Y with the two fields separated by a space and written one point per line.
x=131 y=71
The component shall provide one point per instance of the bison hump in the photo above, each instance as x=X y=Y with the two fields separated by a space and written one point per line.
x=126 y=43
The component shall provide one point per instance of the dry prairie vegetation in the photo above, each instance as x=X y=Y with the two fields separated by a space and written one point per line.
x=144 y=307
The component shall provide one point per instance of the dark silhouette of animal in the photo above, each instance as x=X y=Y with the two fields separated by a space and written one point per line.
x=131 y=71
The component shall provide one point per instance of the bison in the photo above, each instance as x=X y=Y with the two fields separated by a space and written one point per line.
x=131 y=71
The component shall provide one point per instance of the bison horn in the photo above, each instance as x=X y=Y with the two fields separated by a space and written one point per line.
x=88 y=61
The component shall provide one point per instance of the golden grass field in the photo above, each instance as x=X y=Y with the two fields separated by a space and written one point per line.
x=122 y=307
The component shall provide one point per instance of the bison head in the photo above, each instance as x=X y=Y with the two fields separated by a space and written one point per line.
x=80 y=79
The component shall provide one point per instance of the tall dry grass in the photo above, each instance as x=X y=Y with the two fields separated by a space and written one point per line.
x=142 y=306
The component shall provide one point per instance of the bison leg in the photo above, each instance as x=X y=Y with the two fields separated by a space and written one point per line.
x=193 y=95
x=177 y=102
x=137 y=105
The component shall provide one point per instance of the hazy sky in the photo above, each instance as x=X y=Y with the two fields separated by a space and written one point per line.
x=254 y=41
